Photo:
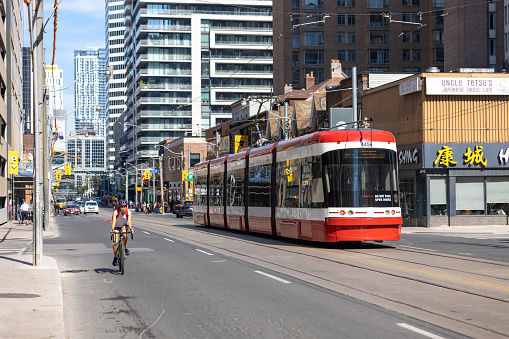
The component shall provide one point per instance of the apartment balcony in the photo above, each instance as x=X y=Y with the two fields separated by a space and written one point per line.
x=164 y=127
x=167 y=72
x=164 y=57
x=162 y=114
x=233 y=57
x=163 y=28
x=127 y=10
x=127 y=2
x=247 y=87
x=162 y=87
x=162 y=101
x=128 y=20
x=162 y=43
x=247 y=29
x=174 y=12
x=236 y=73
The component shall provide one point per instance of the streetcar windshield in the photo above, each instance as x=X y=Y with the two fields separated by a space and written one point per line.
x=360 y=178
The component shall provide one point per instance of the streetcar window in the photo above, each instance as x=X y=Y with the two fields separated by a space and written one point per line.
x=360 y=177
x=259 y=186
x=216 y=188
x=200 y=186
x=235 y=187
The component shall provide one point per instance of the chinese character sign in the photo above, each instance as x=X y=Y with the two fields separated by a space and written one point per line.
x=475 y=157
x=445 y=157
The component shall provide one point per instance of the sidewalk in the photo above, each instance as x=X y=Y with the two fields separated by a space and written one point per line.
x=31 y=303
x=478 y=229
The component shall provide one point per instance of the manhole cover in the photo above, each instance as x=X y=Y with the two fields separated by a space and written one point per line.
x=19 y=295
x=73 y=271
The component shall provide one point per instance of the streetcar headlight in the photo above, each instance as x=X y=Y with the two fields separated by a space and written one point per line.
x=387 y=212
x=342 y=212
x=393 y=212
x=350 y=212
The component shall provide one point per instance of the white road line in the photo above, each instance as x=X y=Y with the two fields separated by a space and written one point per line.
x=207 y=253
x=418 y=330
x=273 y=277
x=418 y=248
x=219 y=261
x=145 y=232
x=168 y=240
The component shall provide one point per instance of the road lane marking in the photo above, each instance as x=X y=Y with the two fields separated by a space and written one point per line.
x=408 y=268
x=168 y=240
x=418 y=330
x=273 y=277
x=145 y=232
x=219 y=261
x=207 y=253
x=417 y=248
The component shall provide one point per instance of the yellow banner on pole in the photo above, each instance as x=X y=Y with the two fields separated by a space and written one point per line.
x=13 y=162
x=138 y=189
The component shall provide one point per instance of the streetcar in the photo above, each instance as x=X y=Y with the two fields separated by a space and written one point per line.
x=328 y=186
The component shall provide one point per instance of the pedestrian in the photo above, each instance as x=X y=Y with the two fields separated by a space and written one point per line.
x=172 y=203
x=144 y=207
x=20 y=218
x=25 y=210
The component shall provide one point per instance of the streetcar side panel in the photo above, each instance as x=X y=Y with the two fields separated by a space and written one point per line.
x=200 y=207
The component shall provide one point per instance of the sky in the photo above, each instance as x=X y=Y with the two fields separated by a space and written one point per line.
x=80 y=24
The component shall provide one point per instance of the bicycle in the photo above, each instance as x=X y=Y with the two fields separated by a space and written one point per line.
x=120 y=253
x=56 y=211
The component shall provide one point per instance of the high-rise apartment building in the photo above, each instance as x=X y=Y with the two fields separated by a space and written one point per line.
x=405 y=36
x=27 y=91
x=11 y=103
x=90 y=91
x=187 y=62
x=54 y=84
x=88 y=156
x=115 y=101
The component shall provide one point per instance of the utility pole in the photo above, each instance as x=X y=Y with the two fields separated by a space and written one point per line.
x=154 y=182
x=161 y=182
x=38 y=50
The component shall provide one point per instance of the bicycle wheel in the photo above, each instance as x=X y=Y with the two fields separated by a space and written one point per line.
x=121 y=256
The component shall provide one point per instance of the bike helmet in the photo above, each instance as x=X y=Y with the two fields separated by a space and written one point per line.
x=122 y=203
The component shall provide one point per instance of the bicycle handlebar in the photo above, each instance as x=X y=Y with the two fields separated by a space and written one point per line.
x=118 y=232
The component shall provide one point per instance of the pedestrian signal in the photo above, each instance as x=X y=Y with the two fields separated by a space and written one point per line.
x=59 y=175
x=147 y=174
x=68 y=169
x=184 y=175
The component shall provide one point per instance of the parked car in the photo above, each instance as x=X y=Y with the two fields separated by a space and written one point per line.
x=185 y=209
x=71 y=209
x=91 y=207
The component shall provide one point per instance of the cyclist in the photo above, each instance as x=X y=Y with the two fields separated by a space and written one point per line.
x=123 y=216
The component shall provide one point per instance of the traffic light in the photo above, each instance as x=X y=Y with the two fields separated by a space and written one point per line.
x=90 y=184
x=68 y=169
x=59 y=175
x=57 y=184
x=184 y=175
x=147 y=174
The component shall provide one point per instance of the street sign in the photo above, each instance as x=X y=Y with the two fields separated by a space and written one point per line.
x=190 y=177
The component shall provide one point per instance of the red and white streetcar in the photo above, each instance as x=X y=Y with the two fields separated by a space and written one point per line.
x=326 y=186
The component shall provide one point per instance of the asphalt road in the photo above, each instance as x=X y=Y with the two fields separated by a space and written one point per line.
x=174 y=289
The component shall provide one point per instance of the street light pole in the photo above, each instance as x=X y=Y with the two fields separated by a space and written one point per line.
x=161 y=182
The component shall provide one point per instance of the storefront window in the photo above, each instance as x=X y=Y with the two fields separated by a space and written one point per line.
x=438 y=196
x=406 y=189
x=497 y=195
x=469 y=196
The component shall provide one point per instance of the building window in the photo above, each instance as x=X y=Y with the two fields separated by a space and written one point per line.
x=497 y=195
x=469 y=195
x=411 y=17
x=313 y=57
x=378 y=20
x=296 y=77
x=295 y=5
x=378 y=37
x=411 y=55
x=438 y=3
x=491 y=20
x=378 y=3
x=313 y=38
x=438 y=196
x=411 y=69
x=406 y=189
x=438 y=37
x=318 y=73
x=296 y=40
x=492 y=47
x=346 y=56
x=412 y=37
x=438 y=18
x=346 y=3
x=195 y=159
x=378 y=56
x=411 y=3
x=438 y=55
x=379 y=69
x=346 y=38
x=295 y=58
x=347 y=71
x=348 y=20
x=313 y=4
